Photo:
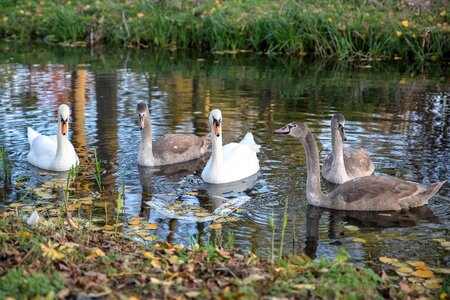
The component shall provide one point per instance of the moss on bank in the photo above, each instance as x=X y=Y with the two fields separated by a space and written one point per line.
x=324 y=28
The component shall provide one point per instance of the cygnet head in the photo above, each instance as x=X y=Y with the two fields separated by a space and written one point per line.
x=297 y=130
x=338 y=122
x=63 y=118
x=142 y=110
x=215 y=121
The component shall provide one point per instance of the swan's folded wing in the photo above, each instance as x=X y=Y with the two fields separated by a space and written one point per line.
x=376 y=188
x=177 y=144
x=357 y=162
x=32 y=134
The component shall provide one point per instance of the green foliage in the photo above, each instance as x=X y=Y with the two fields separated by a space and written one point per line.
x=98 y=172
x=324 y=28
x=15 y=283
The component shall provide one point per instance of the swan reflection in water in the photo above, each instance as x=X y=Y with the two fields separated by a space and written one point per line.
x=366 y=221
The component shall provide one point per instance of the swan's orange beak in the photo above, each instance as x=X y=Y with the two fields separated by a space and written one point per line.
x=64 y=127
x=216 y=127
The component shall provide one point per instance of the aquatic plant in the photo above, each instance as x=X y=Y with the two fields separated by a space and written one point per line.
x=6 y=171
x=272 y=241
x=120 y=198
x=98 y=174
x=283 y=230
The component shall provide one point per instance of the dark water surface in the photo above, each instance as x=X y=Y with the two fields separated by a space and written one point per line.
x=399 y=113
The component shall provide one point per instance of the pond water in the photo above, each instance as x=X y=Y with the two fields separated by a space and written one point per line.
x=398 y=112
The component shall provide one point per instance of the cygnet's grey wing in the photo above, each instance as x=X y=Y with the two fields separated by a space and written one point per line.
x=357 y=162
x=175 y=148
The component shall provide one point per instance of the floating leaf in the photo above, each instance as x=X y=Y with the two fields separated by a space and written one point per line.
x=439 y=240
x=147 y=254
x=151 y=226
x=134 y=222
x=404 y=270
x=417 y=264
x=359 y=240
x=423 y=273
x=351 y=227
x=387 y=260
x=445 y=244
x=192 y=294
x=16 y=205
x=215 y=226
x=108 y=227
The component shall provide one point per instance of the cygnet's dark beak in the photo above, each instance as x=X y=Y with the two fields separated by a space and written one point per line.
x=342 y=132
x=283 y=130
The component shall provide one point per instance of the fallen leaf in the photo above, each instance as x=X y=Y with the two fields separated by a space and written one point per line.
x=304 y=286
x=94 y=253
x=192 y=294
x=151 y=226
x=405 y=23
x=404 y=270
x=134 y=222
x=24 y=234
x=215 y=226
x=351 y=227
x=16 y=205
x=387 y=260
x=202 y=214
x=417 y=264
x=423 y=273
x=173 y=259
x=156 y=263
x=359 y=240
x=51 y=253
x=108 y=227
x=439 y=240
x=253 y=277
x=445 y=244
x=147 y=254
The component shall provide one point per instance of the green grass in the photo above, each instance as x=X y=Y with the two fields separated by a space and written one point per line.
x=323 y=28
x=98 y=172
x=6 y=171
x=20 y=285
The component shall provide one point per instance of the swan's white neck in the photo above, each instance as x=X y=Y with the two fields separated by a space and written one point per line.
x=338 y=154
x=313 y=191
x=217 y=154
x=63 y=146
x=145 y=156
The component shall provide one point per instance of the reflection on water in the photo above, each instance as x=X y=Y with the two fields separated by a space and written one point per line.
x=401 y=117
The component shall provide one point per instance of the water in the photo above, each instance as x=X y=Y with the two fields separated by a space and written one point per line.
x=399 y=113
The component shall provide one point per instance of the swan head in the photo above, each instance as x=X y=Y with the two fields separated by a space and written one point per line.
x=215 y=121
x=338 y=122
x=63 y=118
x=297 y=130
x=142 y=110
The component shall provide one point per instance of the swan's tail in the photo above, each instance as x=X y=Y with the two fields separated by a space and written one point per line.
x=32 y=134
x=249 y=141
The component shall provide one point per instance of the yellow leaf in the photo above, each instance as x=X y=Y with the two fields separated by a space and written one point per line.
x=16 y=205
x=108 y=227
x=398 y=33
x=387 y=260
x=150 y=238
x=173 y=259
x=442 y=13
x=151 y=226
x=134 y=298
x=134 y=222
x=443 y=295
x=202 y=214
x=417 y=264
x=147 y=254
x=24 y=234
x=359 y=240
x=223 y=253
x=304 y=286
x=351 y=227
x=423 y=273
x=192 y=193
x=402 y=81
x=51 y=253
x=445 y=244
x=139 y=15
x=404 y=270
x=432 y=285
x=405 y=23
x=439 y=240
x=215 y=226
x=142 y=233
x=156 y=281
x=156 y=263
x=42 y=174
x=95 y=252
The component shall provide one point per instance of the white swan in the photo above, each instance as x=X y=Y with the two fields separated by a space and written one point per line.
x=54 y=153
x=233 y=161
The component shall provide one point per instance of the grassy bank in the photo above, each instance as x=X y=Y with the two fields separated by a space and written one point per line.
x=53 y=261
x=324 y=28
